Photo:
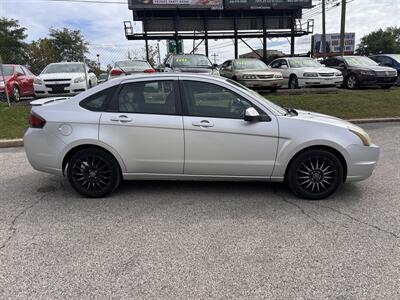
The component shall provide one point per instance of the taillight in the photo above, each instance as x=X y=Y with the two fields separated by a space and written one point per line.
x=116 y=72
x=36 y=121
x=149 y=71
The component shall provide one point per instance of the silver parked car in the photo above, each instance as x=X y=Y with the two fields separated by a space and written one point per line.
x=182 y=126
x=252 y=72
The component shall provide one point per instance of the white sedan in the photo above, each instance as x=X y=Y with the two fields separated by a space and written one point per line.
x=192 y=127
x=64 y=79
x=301 y=72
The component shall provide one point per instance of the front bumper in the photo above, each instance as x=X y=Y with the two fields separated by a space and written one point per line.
x=59 y=89
x=378 y=81
x=262 y=83
x=362 y=161
x=319 y=81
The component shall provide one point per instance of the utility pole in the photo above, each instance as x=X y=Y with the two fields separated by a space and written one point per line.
x=215 y=58
x=343 y=27
x=323 y=30
x=158 y=54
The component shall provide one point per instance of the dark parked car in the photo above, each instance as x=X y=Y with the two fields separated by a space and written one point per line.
x=19 y=82
x=389 y=60
x=362 y=71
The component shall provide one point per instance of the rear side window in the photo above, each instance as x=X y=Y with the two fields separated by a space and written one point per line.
x=148 y=97
x=98 y=101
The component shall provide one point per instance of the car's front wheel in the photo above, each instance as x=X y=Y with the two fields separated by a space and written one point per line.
x=16 y=95
x=93 y=173
x=315 y=174
x=352 y=82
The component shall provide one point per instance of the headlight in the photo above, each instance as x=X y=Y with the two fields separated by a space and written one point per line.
x=364 y=137
x=310 y=74
x=38 y=81
x=367 y=73
x=278 y=76
x=79 y=79
x=337 y=74
x=249 y=77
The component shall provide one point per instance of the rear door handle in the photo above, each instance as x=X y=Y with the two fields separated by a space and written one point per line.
x=203 y=124
x=121 y=119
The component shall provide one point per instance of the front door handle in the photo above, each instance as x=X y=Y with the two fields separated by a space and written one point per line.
x=203 y=124
x=121 y=119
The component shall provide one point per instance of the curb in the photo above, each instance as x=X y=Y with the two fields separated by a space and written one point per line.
x=11 y=143
x=20 y=143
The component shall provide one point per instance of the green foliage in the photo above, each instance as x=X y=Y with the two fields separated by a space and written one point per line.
x=40 y=54
x=69 y=44
x=12 y=46
x=380 y=41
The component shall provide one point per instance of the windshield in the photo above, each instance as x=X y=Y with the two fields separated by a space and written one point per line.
x=132 y=65
x=7 y=71
x=276 y=107
x=64 y=68
x=249 y=64
x=304 y=62
x=191 y=61
x=395 y=57
x=354 y=61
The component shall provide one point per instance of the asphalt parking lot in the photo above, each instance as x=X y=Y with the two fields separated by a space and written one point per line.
x=184 y=240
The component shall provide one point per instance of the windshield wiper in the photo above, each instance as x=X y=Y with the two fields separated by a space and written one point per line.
x=290 y=111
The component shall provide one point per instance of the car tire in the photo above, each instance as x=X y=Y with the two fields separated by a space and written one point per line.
x=293 y=82
x=93 y=173
x=16 y=94
x=314 y=174
x=352 y=82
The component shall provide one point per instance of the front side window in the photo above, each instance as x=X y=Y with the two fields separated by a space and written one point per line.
x=210 y=100
x=19 y=70
x=148 y=97
x=276 y=64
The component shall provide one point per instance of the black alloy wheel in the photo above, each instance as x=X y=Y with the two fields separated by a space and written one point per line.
x=93 y=173
x=315 y=174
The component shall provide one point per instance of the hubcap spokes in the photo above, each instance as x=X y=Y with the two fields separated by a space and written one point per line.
x=92 y=173
x=316 y=175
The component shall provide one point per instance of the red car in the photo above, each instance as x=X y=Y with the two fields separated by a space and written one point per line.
x=19 y=82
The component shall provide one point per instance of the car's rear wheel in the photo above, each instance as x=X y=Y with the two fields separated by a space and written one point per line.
x=315 y=174
x=16 y=95
x=293 y=82
x=352 y=82
x=93 y=173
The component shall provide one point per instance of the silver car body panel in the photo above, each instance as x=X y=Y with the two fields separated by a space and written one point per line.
x=170 y=147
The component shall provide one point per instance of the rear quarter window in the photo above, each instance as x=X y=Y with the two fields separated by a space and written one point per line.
x=98 y=101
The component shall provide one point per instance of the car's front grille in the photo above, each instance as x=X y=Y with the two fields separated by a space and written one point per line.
x=326 y=74
x=57 y=88
x=265 y=76
x=56 y=80
x=386 y=73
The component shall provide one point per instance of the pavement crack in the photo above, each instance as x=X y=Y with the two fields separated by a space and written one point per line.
x=359 y=221
x=12 y=229
x=302 y=210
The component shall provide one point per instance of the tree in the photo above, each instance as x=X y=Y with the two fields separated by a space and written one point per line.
x=380 y=41
x=41 y=53
x=12 y=46
x=69 y=44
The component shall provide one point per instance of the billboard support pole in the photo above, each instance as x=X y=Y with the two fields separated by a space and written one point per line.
x=323 y=30
x=264 y=40
x=205 y=36
x=292 y=40
x=235 y=36
x=343 y=27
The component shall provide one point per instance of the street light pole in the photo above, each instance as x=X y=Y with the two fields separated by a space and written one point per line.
x=323 y=30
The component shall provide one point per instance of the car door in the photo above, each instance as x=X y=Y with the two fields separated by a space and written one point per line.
x=145 y=126
x=30 y=79
x=217 y=139
x=22 y=80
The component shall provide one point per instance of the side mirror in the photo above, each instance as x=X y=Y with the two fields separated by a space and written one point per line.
x=215 y=66
x=251 y=115
x=342 y=66
x=167 y=65
x=19 y=74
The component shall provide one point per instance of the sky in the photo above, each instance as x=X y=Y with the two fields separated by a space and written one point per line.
x=102 y=25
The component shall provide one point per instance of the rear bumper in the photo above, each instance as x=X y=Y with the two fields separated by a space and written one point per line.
x=363 y=161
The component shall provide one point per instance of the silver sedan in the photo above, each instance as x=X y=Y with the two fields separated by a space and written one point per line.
x=192 y=127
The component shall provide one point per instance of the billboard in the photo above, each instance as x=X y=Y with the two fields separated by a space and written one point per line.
x=175 y=4
x=267 y=4
x=333 y=44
